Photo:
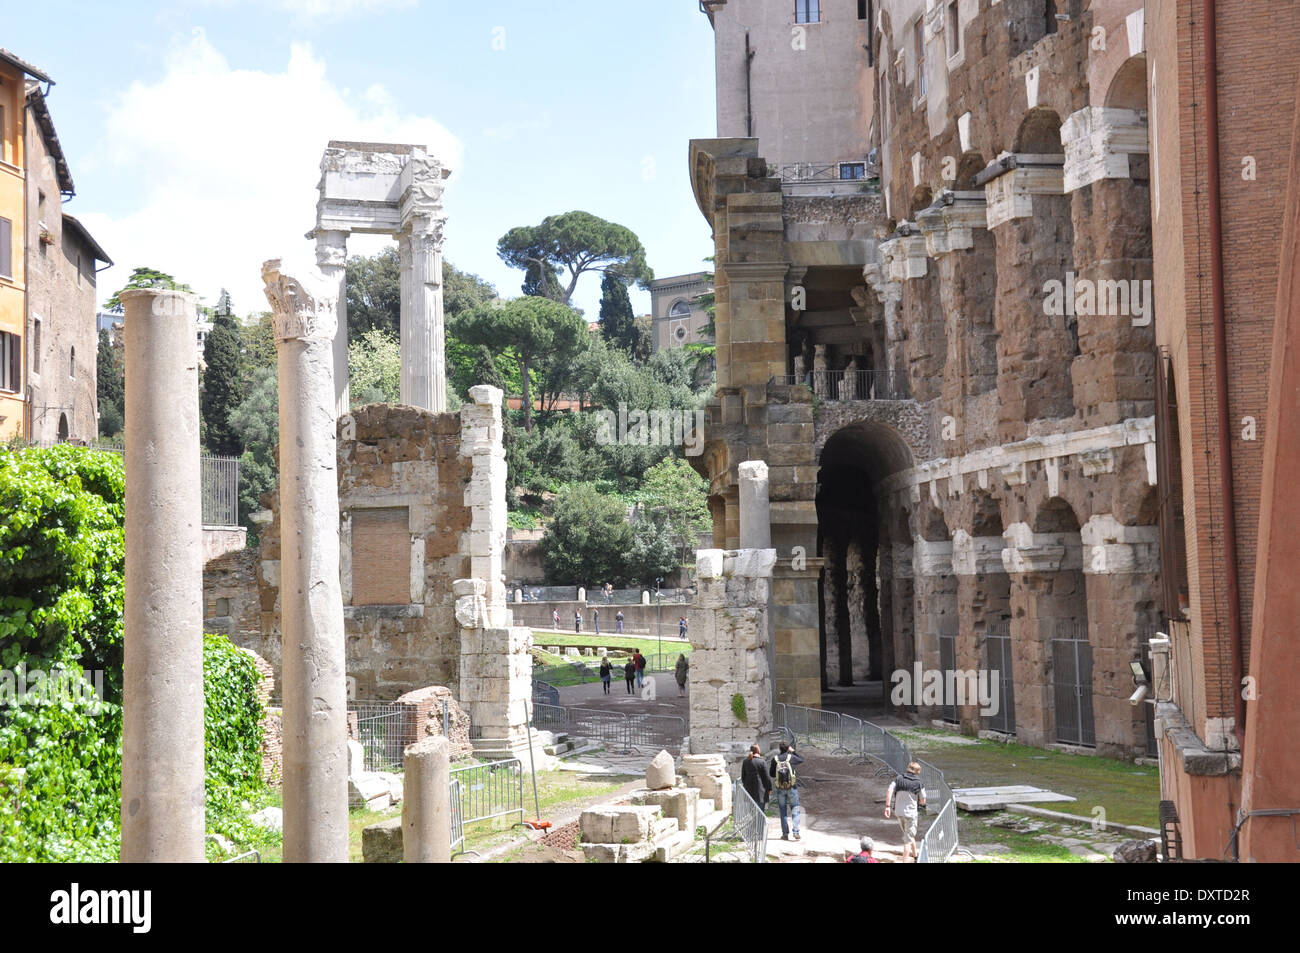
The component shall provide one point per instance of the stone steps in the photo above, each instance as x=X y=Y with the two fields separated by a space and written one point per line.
x=674 y=846
x=663 y=828
x=712 y=823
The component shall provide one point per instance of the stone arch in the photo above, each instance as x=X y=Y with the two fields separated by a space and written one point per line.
x=1128 y=87
x=922 y=196
x=969 y=166
x=1055 y=516
x=986 y=515
x=63 y=428
x=1039 y=132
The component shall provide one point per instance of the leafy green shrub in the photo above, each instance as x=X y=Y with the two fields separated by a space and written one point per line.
x=232 y=717
x=738 y=707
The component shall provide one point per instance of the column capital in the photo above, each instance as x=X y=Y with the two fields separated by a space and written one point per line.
x=331 y=247
x=1013 y=179
x=1098 y=141
x=304 y=303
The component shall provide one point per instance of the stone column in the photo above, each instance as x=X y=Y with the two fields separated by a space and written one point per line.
x=314 y=680
x=331 y=258
x=162 y=686
x=424 y=373
x=859 y=641
x=755 y=512
x=821 y=387
x=832 y=555
x=426 y=803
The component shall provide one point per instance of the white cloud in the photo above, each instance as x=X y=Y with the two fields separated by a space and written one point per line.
x=222 y=165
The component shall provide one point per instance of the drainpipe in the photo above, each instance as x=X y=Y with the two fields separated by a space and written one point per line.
x=1221 y=365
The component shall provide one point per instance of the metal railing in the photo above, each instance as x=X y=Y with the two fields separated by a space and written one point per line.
x=839 y=732
x=849 y=385
x=218 y=483
x=848 y=172
x=384 y=730
x=749 y=822
x=495 y=789
x=457 y=819
x=544 y=693
x=624 y=731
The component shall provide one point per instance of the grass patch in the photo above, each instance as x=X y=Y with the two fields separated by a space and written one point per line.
x=1024 y=848
x=647 y=645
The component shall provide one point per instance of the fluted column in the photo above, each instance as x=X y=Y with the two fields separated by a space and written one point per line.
x=314 y=681
x=332 y=259
x=424 y=374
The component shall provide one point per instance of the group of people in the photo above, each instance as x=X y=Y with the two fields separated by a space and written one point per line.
x=904 y=799
x=634 y=671
x=595 y=619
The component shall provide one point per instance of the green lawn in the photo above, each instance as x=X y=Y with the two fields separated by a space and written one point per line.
x=559 y=670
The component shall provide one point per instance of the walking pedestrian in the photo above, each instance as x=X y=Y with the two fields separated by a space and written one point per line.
x=577 y=620
x=609 y=592
x=595 y=619
x=639 y=660
x=555 y=614
x=681 y=627
x=754 y=779
x=864 y=856
x=683 y=667
x=629 y=673
x=786 y=783
x=618 y=621
x=911 y=793
x=606 y=671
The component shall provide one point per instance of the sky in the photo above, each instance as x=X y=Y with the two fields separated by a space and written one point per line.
x=194 y=129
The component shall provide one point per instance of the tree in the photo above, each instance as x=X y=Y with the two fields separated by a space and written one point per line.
x=144 y=278
x=577 y=242
x=532 y=330
x=374 y=292
x=222 y=385
x=678 y=496
x=257 y=344
x=617 y=322
x=110 y=388
x=587 y=538
x=375 y=368
x=257 y=418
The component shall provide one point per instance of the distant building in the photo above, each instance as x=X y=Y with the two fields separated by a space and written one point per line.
x=48 y=262
x=676 y=316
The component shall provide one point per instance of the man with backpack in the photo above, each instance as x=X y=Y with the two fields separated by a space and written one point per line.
x=786 y=784
x=639 y=659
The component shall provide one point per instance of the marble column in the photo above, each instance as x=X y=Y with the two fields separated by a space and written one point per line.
x=332 y=258
x=419 y=241
x=313 y=673
x=162 y=685
x=426 y=804
x=755 y=511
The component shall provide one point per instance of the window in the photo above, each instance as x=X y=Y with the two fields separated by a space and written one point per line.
x=11 y=362
x=381 y=557
x=919 y=33
x=6 y=248
x=853 y=170
x=72 y=363
x=954 y=29
x=36 y=346
x=862 y=9
x=807 y=11
x=679 y=309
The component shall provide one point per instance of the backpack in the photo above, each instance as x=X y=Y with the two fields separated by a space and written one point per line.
x=785 y=778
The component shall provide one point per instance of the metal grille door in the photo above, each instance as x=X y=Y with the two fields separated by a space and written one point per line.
x=948 y=664
x=997 y=647
x=1072 y=674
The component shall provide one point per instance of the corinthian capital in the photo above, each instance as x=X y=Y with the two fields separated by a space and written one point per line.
x=304 y=302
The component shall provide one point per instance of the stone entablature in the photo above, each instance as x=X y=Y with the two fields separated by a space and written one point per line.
x=1027 y=551
x=1016 y=178
x=904 y=256
x=1111 y=547
x=976 y=555
x=932 y=557
x=1098 y=142
x=1008 y=462
x=949 y=224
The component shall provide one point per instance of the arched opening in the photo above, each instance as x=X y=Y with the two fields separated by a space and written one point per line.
x=922 y=196
x=1128 y=90
x=1039 y=133
x=854 y=543
x=985 y=595
x=63 y=428
x=969 y=166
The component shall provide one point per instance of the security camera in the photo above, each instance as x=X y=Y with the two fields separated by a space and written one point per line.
x=1136 y=698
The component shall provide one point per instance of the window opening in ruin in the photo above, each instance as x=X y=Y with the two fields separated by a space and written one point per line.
x=63 y=428
x=36 y=346
x=381 y=556
x=918 y=34
x=1050 y=26
x=954 y=30
x=72 y=363
x=853 y=170
x=862 y=9
x=807 y=11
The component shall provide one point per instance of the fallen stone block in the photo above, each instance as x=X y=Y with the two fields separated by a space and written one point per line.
x=382 y=843
x=370 y=791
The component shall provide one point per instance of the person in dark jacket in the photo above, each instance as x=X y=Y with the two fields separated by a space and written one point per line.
x=629 y=673
x=787 y=794
x=605 y=670
x=910 y=790
x=754 y=778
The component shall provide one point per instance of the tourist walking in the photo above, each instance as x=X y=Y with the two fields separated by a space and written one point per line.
x=865 y=855
x=605 y=673
x=786 y=781
x=618 y=621
x=595 y=619
x=754 y=778
x=681 y=627
x=609 y=592
x=577 y=620
x=555 y=614
x=680 y=672
x=629 y=673
x=911 y=793
x=639 y=660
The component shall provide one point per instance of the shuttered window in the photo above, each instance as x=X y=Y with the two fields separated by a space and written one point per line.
x=6 y=248
x=11 y=362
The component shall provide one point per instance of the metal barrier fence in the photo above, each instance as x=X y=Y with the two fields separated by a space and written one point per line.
x=457 y=819
x=749 y=823
x=384 y=730
x=622 y=730
x=218 y=482
x=544 y=693
x=838 y=732
x=494 y=789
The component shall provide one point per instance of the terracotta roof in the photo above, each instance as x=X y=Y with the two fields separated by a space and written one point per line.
x=36 y=103
x=100 y=254
x=21 y=64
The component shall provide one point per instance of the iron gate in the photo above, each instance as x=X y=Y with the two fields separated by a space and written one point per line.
x=1072 y=678
x=948 y=663
x=997 y=655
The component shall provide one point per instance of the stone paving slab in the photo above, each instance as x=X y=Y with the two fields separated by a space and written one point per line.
x=997 y=798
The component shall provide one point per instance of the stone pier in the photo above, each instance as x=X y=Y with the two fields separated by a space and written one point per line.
x=162 y=687
x=314 y=678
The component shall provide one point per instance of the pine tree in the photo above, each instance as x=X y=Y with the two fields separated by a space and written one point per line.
x=617 y=322
x=221 y=386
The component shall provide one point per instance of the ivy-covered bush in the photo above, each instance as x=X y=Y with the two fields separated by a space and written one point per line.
x=232 y=717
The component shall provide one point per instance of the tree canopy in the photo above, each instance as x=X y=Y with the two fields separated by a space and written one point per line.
x=559 y=251
x=144 y=278
x=222 y=385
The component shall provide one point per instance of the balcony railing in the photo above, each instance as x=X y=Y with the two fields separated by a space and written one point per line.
x=854 y=175
x=850 y=385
